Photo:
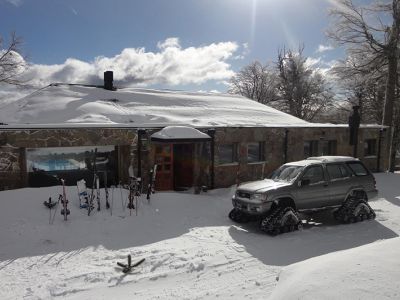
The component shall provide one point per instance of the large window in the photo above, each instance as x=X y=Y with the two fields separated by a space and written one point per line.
x=329 y=147
x=255 y=152
x=46 y=166
x=310 y=148
x=370 y=147
x=227 y=153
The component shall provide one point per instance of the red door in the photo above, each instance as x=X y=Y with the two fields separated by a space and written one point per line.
x=164 y=161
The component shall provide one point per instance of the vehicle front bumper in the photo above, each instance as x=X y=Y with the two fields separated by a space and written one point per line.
x=251 y=208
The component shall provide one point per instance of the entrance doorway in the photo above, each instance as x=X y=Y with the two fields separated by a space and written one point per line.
x=164 y=161
x=183 y=166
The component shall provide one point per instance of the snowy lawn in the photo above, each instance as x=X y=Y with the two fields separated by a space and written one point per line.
x=192 y=250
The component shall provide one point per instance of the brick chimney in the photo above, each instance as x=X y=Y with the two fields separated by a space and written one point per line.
x=108 y=80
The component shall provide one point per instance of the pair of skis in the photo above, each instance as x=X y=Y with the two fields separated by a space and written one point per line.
x=62 y=198
x=152 y=182
x=96 y=186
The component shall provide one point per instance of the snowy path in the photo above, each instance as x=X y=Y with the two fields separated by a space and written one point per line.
x=192 y=249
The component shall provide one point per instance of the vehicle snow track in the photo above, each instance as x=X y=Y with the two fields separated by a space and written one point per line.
x=354 y=210
x=281 y=220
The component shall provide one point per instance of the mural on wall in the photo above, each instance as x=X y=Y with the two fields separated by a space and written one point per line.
x=9 y=161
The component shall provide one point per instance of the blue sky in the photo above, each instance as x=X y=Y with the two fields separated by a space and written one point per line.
x=154 y=42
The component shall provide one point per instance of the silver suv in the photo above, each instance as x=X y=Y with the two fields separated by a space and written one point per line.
x=326 y=182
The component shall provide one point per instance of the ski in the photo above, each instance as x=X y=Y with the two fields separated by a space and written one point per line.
x=98 y=192
x=126 y=268
x=82 y=194
x=152 y=181
x=132 y=194
x=65 y=211
x=91 y=199
x=106 y=189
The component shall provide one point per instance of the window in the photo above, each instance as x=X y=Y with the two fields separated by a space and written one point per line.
x=337 y=171
x=227 y=153
x=314 y=173
x=370 y=147
x=310 y=148
x=46 y=165
x=329 y=147
x=255 y=152
x=358 y=168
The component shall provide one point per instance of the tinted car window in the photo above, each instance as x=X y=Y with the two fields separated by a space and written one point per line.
x=345 y=172
x=334 y=171
x=314 y=174
x=357 y=168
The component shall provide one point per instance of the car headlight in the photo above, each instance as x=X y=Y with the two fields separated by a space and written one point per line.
x=258 y=197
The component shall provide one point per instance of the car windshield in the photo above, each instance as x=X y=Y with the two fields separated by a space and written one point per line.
x=286 y=173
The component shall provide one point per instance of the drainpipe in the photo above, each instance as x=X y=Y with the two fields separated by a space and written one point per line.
x=211 y=133
x=354 y=125
x=140 y=133
x=285 y=145
x=378 y=159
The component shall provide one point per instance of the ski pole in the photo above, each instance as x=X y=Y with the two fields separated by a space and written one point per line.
x=122 y=199
x=112 y=198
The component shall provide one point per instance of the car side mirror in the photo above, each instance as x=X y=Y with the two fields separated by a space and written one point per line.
x=304 y=182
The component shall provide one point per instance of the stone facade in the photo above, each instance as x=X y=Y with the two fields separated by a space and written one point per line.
x=280 y=145
x=274 y=139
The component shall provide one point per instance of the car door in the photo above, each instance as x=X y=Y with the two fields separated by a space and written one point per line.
x=339 y=182
x=316 y=193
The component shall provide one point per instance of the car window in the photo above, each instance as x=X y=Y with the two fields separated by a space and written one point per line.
x=345 y=172
x=358 y=168
x=337 y=171
x=314 y=174
x=334 y=171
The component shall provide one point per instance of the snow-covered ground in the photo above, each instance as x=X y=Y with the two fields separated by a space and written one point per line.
x=192 y=250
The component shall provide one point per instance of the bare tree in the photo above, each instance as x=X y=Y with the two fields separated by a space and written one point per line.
x=12 y=64
x=365 y=34
x=255 y=81
x=303 y=91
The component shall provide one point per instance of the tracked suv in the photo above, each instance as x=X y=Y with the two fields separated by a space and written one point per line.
x=340 y=183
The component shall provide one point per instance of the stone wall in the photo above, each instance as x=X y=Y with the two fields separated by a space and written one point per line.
x=13 y=173
x=274 y=138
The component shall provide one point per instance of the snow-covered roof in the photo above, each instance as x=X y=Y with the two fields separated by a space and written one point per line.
x=65 y=105
x=179 y=133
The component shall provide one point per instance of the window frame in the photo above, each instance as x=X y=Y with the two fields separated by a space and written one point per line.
x=234 y=158
x=261 y=152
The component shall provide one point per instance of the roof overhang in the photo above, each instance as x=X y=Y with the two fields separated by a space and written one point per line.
x=179 y=134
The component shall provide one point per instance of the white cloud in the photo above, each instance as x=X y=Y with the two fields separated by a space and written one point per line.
x=324 y=48
x=15 y=2
x=245 y=51
x=169 y=43
x=171 y=65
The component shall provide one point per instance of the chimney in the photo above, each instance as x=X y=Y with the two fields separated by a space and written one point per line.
x=108 y=80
